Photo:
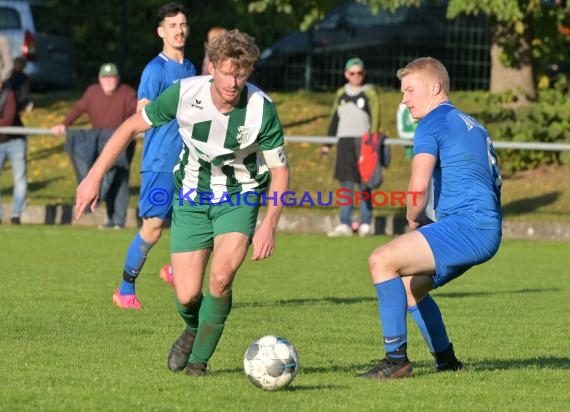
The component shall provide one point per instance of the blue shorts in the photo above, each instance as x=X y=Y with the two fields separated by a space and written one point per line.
x=457 y=246
x=157 y=189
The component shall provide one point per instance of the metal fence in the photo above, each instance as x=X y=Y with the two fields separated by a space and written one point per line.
x=550 y=147
x=556 y=147
x=463 y=46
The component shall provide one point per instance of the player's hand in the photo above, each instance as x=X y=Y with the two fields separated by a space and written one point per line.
x=263 y=243
x=422 y=220
x=86 y=196
x=325 y=150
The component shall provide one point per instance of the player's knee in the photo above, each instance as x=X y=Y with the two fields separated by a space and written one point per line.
x=187 y=296
x=376 y=260
x=151 y=233
x=382 y=266
x=220 y=284
x=182 y=296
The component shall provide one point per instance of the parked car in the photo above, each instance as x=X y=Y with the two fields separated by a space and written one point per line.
x=384 y=40
x=36 y=33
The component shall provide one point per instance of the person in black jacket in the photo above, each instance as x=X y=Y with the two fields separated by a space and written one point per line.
x=356 y=111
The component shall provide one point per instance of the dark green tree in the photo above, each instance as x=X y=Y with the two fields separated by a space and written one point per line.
x=124 y=31
x=522 y=31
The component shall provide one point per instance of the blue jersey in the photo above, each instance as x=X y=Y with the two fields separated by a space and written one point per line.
x=162 y=145
x=467 y=179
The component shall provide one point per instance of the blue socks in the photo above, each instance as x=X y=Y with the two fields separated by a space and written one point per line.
x=427 y=316
x=392 y=307
x=134 y=262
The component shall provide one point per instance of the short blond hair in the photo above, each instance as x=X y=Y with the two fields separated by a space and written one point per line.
x=428 y=66
x=236 y=46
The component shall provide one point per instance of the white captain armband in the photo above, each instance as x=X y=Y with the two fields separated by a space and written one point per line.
x=275 y=157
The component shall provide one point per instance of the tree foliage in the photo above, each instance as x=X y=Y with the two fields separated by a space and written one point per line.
x=526 y=33
x=545 y=120
x=124 y=31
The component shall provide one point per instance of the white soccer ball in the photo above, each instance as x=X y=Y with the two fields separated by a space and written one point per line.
x=271 y=362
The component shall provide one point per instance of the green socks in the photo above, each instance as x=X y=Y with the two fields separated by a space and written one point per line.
x=190 y=313
x=213 y=314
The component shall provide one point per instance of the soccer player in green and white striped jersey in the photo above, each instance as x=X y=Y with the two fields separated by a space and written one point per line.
x=225 y=123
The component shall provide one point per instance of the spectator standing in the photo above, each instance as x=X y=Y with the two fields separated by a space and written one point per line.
x=14 y=148
x=107 y=103
x=356 y=111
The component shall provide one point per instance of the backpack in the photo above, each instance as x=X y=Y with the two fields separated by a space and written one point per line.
x=374 y=154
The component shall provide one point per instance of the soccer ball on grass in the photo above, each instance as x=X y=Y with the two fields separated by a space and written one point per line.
x=271 y=362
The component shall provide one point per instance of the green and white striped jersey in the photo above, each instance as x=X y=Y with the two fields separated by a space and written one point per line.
x=220 y=153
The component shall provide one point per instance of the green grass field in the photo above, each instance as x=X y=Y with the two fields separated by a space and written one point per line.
x=64 y=347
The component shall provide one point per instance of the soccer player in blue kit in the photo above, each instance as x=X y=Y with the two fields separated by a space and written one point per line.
x=161 y=149
x=457 y=152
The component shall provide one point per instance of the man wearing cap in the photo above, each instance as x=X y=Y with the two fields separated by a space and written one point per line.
x=356 y=111
x=107 y=103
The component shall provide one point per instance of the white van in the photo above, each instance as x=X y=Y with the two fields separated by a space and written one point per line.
x=35 y=32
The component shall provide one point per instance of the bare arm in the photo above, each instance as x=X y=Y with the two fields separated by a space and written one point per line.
x=87 y=192
x=264 y=238
x=77 y=110
x=142 y=103
x=418 y=189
